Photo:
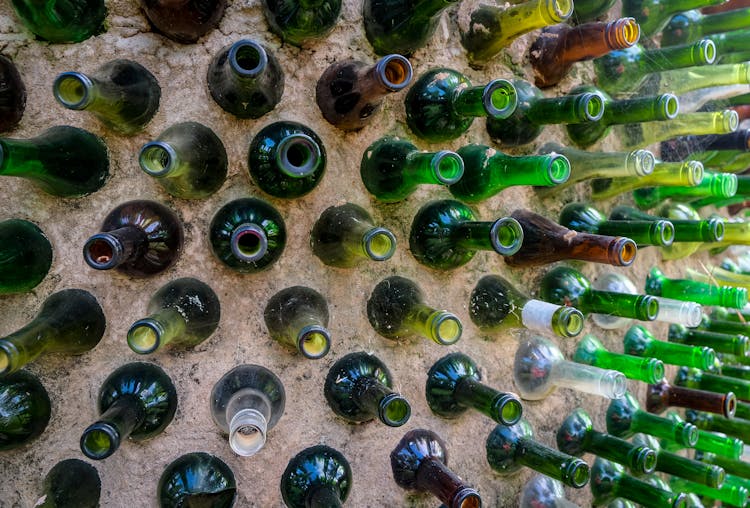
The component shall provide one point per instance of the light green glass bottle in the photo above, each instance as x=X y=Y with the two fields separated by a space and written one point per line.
x=72 y=21
x=25 y=256
x=640 y=135
x=713 y=442
x=688 y=173
x=590 y=351
x=625 y=417
x=297 y=317
x=677 y=465
x=732 y=495
x=723 y=185
x=691 y=25
x=639 y=341
x=734 y=344
x=693 y=291
x=681 y=81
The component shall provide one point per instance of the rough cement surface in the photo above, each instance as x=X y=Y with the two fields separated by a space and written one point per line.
x=130 y=476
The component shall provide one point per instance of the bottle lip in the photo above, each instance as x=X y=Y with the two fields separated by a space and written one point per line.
x=157 y=158
x=641 y=162
x=729 y=184
x=730 y=120
x=8 y=352
x=244 y=64
x=446 y=328
x=577 y=473
x=447 y=166
x=249 y=242
x=298 y=155
x=379 y=244
x=664 y=231
x=97 y=431
x=706 y=52
x=507 y=409
x=500 y=98
x=395 y=72
x=145 y=336
x=73 y=90
x=644 y=461
x=558 y=168
x=506 y=236
x=669 y=106
x=103 y=251
x=590 y=106
x=730 y=405
x=623 y=32
x=695 y=172
x=614 y=384
x=655 y=370
x=716 y=228
x=558 y=10
x=314 y=341
x=394 y=410
x=247 y=422
x=623 y=251
x=571 y=321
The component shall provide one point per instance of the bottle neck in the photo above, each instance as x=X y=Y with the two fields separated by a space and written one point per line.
x=75 y=90
x=246 y=61
x=249 y=242
x=439 y=168
x=110 y=249
x=156 y=331
x=719 y=342
x=724 y=22
x=25 y=345
x=641 y=109
x=433 y=476
x=724 y=404
x=648 y=370
x=538 y=170
x=248 y=413
x=711 y=230
x=391 y=73
x=560 y=466
x=377 y=399
x=641 y=307
x=702 y=52
x=699 y=292
x=643 y=493
x=504 y=235
x=584 y=378
x=117 y=423
x=503 y=408
x=733 y=495
x=637 y=458
x=729 y=43
x=160 y=160
x=692 y=470
x=679 y=174
x=718 y=122
x=587 y=165
x=547 y=317
x=498 y=99
x=439 y=326
x=592 y=40
x=679 y=312
x=584 y=107
x=323 y=496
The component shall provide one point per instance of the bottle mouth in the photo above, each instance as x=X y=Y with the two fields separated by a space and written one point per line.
x=730 y=405
x=507 y=409
x=640 y=162
x=649 y=308
x=669 y=106
x=380 y=244
x=157 y=158
x=506 y=236
x=576 y=474
x=614 y=384
x=145 y=336
x=654 y=371
x=99 y=441
x=73 y=90
x=446 y=328
x=558 y=10
x=314 y=342
x=730 y=120
x=249 y=243
x=708 y=357
x=500 y=99
x=741 y=345
x=716 y=229
x=102 y=251
x=734 y=297
x=447 y=166
x=716 y=477
x=624 y=251
x=704 y=52
x=395 y=72
x=645 y=461
x=689 y=435
x=664 y=233
x=298 y=155
x=624 y=33
x=590 y=107
x=394 y=410
x=694 y=172
x=558 y=168
x=247 y=58
x=247 y=432
x=571 y=321
x=725 y=185
x=466 y=497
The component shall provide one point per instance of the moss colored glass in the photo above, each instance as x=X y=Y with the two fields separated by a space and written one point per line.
x=639 y=341
x=608 y=481
x=186 y=21
x=25 y=256
x=590 y=351
x=72 y=21
x=625 y=418
x=12 y=95
x=24 y=409
x=197 y=479
x=297 y=317
x=688 y=173
x=317 y=477
x=299 y=21
x=685 y=230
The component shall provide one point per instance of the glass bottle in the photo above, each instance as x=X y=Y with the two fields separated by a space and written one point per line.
x=299 y=21
x=735 y=427
x=511 y=447
x=419 y=462
x=697 y=379
x=734 y=344
x=726 y=327
x=71 y=483
x=653 y=15
x=297 y=317
x=687 y=174
x=639 y=341
x=701 y=80
x=349 y=92
x=721 y=185
x=70 y=321
x=738 y=371
x=673 y=464
x=589 y=10
x=63 y=161
x=358 y=389
x=732 y=46
x=182 y=313
x=188 y=160
x=545 y=241
x=247 y=235
x=488 y=171
x=72 y=21
x=732 y=495
x=534 y=111
x=691 y=25
x=396 y=309
x=446 y=234
x=643 y=134
x=709 y=230
x=393 y=168
x=25 y=407
x=185 y=22
x=731 y=466
x=454 y=385
x=541 y=491
x=539 y=367
x=707 y=441
x=694 y=291
x=136 y=401
x=625 y=418
x=246 y=403
x=590 y=351
x=139 y=238
x=558 y=47
x=12 y=96
x=317 y=477
x=121 y=93
x=197 y=478
x=714 y=149
x=245 y=79
x=25 y=256
x=286 y=159
x=496 y=305
x=442 y=103
x=345 y=236
x=608 y=481
x=490 y=28
x=662 y=395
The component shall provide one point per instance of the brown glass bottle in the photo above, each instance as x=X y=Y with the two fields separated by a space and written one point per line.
x=546 y=241
x=560 y=46
x=662 y=395
x=12 y=95
x=348 y=93
x=184 y=21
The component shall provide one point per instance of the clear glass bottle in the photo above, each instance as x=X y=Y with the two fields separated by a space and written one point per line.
x=12 y=96
x=197 y=478
x=26 y=409
x=317 y=477
x=696 y=379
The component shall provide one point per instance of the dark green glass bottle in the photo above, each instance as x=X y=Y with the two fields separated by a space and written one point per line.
x=396 y=309
x=70 y=321
x=442 y=103
x=344 y=236
x=691 y=25
x=715 y=150
x=590 y=351
x=247 y=235
x=734 y=344
x=286 y=159
x=71 y=483
x=609 y=481
x=298 y=21
x=589 y=10
x=188 y=160
x=640 y=342
x=721 y=185
x=694 y=378
x=707 y=441
x=581 y=217
x=138 y=238
x=653 y=15
x=63 y=161
x=688 y=173
x=541 y=491
x=137 y=401
x=197 y=479
x=735 y=427
x=511 y=447
x=693 y=291
x=731 y=495
x=297 y=317
x=245 y=79
x=358 y=389
x=183 y=313
x=662 y=395
x=24 y=409
x=625 y=418
x=25 y=256
x=731 y=466
x=685 y=230
x=673 y=464
x=122 y=94
x=446 y=234
x=12 y=96
x=72 y=21
x=317 y=477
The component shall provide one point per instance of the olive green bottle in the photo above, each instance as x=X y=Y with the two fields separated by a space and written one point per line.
x=317 y=477
x=24 y=409
x=687 y=174
x=71 y=483
x=197 y=479
x=299 y=21
x=723 y=185
x=640 y=135
x=25 y=256
x=297 y=317
x=72 y=21
x=653 y=15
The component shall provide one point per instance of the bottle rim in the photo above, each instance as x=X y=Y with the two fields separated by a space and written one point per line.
x=446 y=328
x=96 y=432
x=624 y=251
x=641 y=162
x=394 y=71
x=623 y=33
x=644 y=461
x=500 y=99
x=73 y=90
x=447 y=166
x=247 y=422
x=466 y=497
x=557 y=10
x=716 y=228
x=157 y=158
x=379 y=244
x=507 y=409
x=394 y=410
x=668 y=106
x=506 y=236
x=103 y=251
x=298 y=155
x=247 y=58
x=314 y=341
x=558 y=168
x=694 y=172
x=145 y=336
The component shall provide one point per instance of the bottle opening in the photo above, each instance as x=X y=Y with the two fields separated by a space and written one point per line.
x=448 y=167
x=559 y=10
x=572 y=321
x=157 y=158
x=467 y=498
x=577 y=474
x=380 y=244
x=669 y=106
x=508 y=410
x=694 y=172
x=708 y=357
x=593 y=106
x=645 y=461
x=446 y=329
x=558 y=170
x=4 y=362
x=734 y=297
x=395 y=72
x=655 y=371
x=394 y=410
x=247 y=432
x=101 y=252
x=247 y=58
x=144 y=337
x=71 y=89
x=741 y=345
x=506 y=236
x=298 y=155
x=614 y=385
x=643 y=162
x=627 y=32
x=249 y=242
x=652 y=309
x=500 y=98
x=728 y=184
x=731 y=120
x=689 y=435
x=626 y=250
x=706 y=52
x=730 y=405
x=99 y=441
x=314 y=342
x=665 y=232
x=717 y=229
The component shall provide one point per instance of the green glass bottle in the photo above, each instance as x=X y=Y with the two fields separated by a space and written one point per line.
x=25 y=256
x=63 y=161
x=24 y=409
x=722 y=185
x=694 y=378
x=137 y=401
x=686 y=174
x=541 y=491
x=698 y=79
x=122 y=94
x=734 y=344
x=299 y=21
x=608 y=481
x=247 y=235
x=639 y=341
x=625 y=418
x=454 y=385
x=182 y=313
x=738 y=371
x=590 y=351
x=358 y=389
x=71 y=483
x=731 y=466
x=511 y=447
x=734 y=427
x=640 y=135
x=70 y=321
x=419 y=463
x=653 y=15
x=297 y=317
x=496 y=305
x=716 y=150
x=662 y=395
x=685 y=230
x=396 y=309
x=691 y=25
x=732 y=495
x=589 y=10
x=581 y=217
x=488 y=171
x=12 y=96
x=446 y=234
x=442 y=103
x=72 y=21
x=317 y=477
x=188 y=160
x=693 y=291
x=534 y=111
x=707 y=441
x=345 y=236
x=286 y=159
x=673 y=464
x=245 y=79
x=197 y=479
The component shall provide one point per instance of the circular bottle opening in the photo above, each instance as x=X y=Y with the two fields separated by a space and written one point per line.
x=446 y=329
x=559 y=10
x=500 y=99
x=447 y=166
x=614 y=384
x=144 y=337
x=571 y=320
x=508 y=410
x=506 y=236
x=314 y=342
x=741 y=345
x=593 y=107
x=558 y=170
x=247 y=58
x=655 y=371
x=627 y=32
x=395 y=72
x=247 y=432
x=689 y=435
x=394 y=410
x=694 y=171
x=380 y=244
x=708 y=357
x=577 y=474
x=101 y=252
x=706 y=52
x=298 y=156
x=466 y=498
x=643 y=162
x=625 y=251
x=72 y=90
x=727 y=185
x=669 y=106
x=99 y=441
x=249 y=243
x=157 y=158
x=730 y=405
x=664 y=233
x=645 y=461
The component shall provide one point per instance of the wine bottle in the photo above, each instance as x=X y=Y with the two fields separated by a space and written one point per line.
x=121 y=93
x=734 y=344
x=735 y=427
x=673 y=464
x=715 y=149
x=71 y=483
x=541 y=491
x=685 y=230
x=139 y=238
x=188 y=160
x=653 y=15
x=725 y=327
x=697 y=379
x=721 y=185
x=63 y=161
x=247 y=235
x=73 y=21
x=608 y=481
x=590 y=351
x=713 y=442
x=25 y=407
x=662 y=395
x=246 y=403
x=245 y=79
x=25 y=256
x=349 y=92
x=358 y=389
x=643 y=134
x=299 y=21
x=581 y=217
x=732 y=46
x=297 y=317
x=12 y=96
x=693 y=291
x=183 y=313
x=625 y=418
x=686 y=174
x=184 y=23
x=691 y=25
x=136 y=401
x=731 y=466
x=286 y=159
x=197 y=478
x=732 y=495
x=640 y=342
x=396 y=309
x=317 y=477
